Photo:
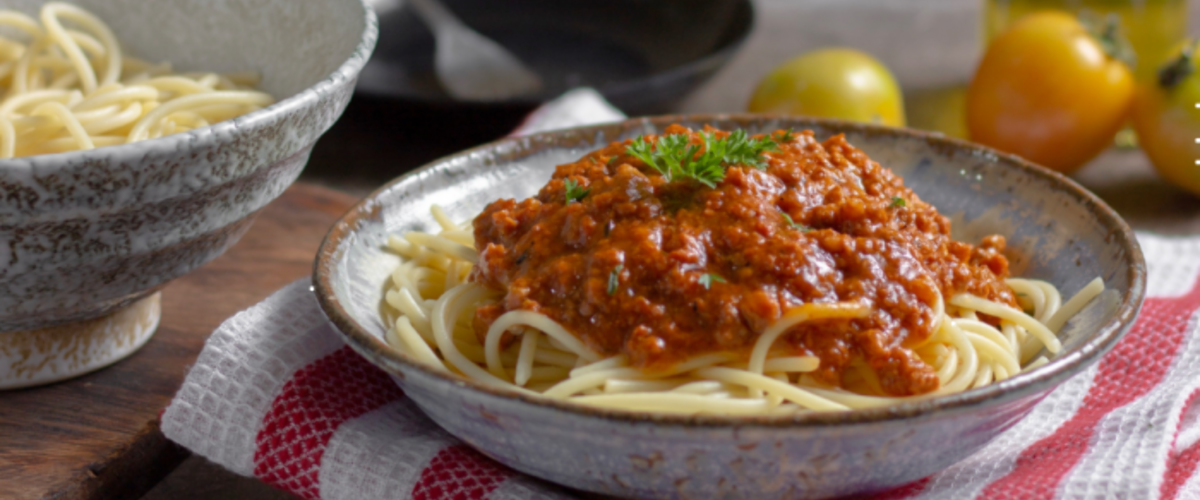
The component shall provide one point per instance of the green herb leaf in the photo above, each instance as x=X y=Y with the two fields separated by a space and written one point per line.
x=643 y=149
x=707 y=280
x=614 y=279
x=574 y=192
x=792 y=223
x=740 y=149
x=674 y=157
x=898 y=202
x=788 y=136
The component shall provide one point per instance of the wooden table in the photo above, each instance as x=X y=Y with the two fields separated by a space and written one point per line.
x=97 y=436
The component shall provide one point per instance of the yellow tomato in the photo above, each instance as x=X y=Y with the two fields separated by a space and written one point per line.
x=832 y=83
x=1047 y=90
x=1168 y=123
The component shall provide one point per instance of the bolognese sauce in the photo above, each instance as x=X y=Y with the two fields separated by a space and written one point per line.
x=663 y=270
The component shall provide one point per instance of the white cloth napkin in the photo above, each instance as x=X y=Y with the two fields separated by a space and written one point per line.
x=275 y=394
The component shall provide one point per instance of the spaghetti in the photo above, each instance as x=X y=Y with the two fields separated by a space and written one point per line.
x=67 y=86
x=445 y=315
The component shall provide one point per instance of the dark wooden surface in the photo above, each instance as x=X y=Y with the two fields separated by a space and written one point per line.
x=67 y=441
x=97 y=436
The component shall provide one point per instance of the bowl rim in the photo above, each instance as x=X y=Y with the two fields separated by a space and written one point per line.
x=219 y=132
x=1041 y=379
x=715 y=56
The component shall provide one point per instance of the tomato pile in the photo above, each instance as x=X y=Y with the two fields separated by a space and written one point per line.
x=1051 y=89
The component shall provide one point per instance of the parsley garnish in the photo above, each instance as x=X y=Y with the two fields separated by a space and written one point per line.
x=614 y=278
x=574 y=193
x=707 y=279
x=788 y=136
x=738 y=149
x=792 y=223
x=668 y=159
x=898 y=202
x=674 y=157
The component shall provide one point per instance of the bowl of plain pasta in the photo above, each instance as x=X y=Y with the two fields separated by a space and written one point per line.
x=730 y=306
x=137 y=141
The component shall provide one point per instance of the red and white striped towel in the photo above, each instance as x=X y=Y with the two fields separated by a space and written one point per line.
x=275 y=394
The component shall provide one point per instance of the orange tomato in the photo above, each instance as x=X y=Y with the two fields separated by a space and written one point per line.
x=1047 y=90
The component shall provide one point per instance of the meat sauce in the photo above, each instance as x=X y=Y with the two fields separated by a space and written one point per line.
x=663 y=271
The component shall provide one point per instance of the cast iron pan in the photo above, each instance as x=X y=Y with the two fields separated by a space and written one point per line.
x=645 y=56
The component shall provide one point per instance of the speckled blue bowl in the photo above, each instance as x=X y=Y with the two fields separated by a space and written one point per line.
x=1057 y=231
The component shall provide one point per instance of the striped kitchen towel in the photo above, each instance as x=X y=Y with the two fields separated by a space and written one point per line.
x=276 y=395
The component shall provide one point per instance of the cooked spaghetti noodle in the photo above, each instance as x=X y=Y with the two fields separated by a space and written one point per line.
x=437 y=297
x=67 y=86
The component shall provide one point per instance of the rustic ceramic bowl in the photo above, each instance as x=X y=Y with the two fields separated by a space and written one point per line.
x=1057 y=232
x=84 y=234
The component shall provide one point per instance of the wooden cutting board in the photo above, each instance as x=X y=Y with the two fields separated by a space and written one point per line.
x=97 y=436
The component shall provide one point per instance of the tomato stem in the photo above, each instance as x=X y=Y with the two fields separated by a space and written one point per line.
x=1175 y=71
x=1110 y=36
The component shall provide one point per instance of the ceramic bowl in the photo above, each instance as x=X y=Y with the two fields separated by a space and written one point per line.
x=84 y=234
x=1057 y=231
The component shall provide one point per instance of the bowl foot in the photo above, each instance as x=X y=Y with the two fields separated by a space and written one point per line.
x=45 y=355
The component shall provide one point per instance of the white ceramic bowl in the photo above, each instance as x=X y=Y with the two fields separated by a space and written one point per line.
x=85 y=234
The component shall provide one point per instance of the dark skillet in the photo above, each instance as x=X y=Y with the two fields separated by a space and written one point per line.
x=644 y=56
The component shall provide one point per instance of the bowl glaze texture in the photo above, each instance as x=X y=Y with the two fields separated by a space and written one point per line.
x=1056 y=230
x=85 y=233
